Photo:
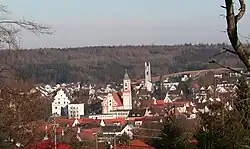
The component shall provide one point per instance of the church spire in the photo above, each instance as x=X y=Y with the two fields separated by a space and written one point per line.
x=126 y=77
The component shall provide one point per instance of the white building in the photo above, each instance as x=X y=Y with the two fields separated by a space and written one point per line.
x=119 y=101
x=60 y=103
x=148 y=78
x=111 y=115
x=127 y=93
x=75 y=110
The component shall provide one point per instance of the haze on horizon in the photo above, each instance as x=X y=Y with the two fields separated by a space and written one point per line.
x=117 y=22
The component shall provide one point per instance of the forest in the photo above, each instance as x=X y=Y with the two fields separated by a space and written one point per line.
x=107 y=63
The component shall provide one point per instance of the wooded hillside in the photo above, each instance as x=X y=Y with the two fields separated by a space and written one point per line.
x=105 y=64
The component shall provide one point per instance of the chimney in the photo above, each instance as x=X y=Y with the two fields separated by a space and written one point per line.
x=62 y=132
x=78 y=130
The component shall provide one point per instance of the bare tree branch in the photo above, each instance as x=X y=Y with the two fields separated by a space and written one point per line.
x=232 y=31
x=233 y=70
x=10 y=29
x=242 y=10
x=228 y=50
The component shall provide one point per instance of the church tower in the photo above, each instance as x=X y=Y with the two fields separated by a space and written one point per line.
x=127 y=94
x=148 y=79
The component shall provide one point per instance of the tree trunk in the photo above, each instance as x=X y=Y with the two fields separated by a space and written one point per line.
x=232 y=21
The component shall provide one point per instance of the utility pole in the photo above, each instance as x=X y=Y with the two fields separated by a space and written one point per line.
x=115 y=142
x=96 y=142
x=55 y=130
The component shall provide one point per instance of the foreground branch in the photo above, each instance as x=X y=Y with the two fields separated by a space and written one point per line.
x=10 y=29
x=232 y=32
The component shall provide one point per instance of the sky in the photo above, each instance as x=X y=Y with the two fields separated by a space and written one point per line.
x=123 y=22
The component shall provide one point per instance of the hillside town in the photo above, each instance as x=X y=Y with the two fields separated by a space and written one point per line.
x=132 y=109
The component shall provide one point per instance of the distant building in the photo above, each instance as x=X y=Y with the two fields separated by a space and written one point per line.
x=119 y=101
x=60 y=103
x=148 y=78
x=75 y=110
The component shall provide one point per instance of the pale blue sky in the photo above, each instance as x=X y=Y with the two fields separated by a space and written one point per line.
x=115 y=22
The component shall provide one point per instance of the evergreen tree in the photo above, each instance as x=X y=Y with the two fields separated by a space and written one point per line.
x=225 y=129
x=172 y=137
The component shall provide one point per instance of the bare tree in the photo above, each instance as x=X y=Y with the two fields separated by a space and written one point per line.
x=23 y=110
x=232 y=31
x=10 y=29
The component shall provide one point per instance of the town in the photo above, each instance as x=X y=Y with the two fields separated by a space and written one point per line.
x=124 y=75
x=134 y=109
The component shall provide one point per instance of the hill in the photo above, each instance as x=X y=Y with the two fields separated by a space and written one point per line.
x=107 y=63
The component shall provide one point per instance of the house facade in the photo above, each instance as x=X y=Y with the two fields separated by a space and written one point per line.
x=60 y=103
x=119 y=101
x=75 y=110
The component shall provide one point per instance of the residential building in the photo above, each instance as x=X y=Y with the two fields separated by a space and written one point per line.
x=75 y=110
x=60 y=103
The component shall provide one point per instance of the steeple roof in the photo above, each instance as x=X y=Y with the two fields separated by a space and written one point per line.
x=126 y=77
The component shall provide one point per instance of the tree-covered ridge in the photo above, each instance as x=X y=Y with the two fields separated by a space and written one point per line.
x=107 y=63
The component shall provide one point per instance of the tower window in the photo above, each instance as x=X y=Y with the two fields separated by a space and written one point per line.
x=147 y=72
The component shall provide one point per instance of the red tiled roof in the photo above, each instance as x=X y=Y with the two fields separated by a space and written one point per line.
x=43 y=127
x=88 y=134
x=138 y=143
x=122 y=121
x=150 y=118
x=47 y=144
x=135 y=144
x=65 y=121
x=118 y=99
x=88 y=120
x=59 y=130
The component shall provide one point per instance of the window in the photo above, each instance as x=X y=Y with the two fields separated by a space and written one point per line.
x=58 y=102
x=64 y=102
x=147 y=72
x=55 y=107
x=110 y=104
